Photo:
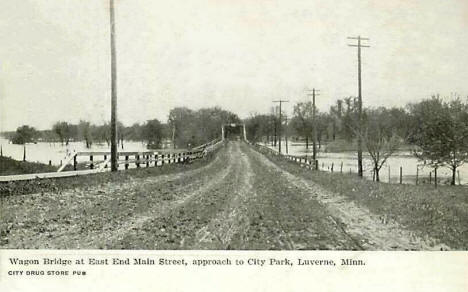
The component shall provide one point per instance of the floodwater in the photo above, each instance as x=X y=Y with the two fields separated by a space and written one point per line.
x=56 y=152
x=409 y=164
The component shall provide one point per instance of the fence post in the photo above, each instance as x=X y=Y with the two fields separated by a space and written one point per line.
x=341 y=167
x=105 y=158
x=417 y=174
x=162 y=159
x=137 y=158
x=75 y=163
x=24 y=152
x=401 y=175
x=430 y=177
x=148 y=156
x=435 y=177
x=389 y=178
x=91 y=165
x=126 y=159
x=316 y=165
x=156 y=160
x=332 y=166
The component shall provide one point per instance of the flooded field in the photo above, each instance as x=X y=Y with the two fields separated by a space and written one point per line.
x=347 y=162
x=55 y=152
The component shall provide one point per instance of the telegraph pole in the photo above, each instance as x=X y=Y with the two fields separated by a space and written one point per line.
x=279 y=128
x=114 y=157
x=314 y=124
x=273 y=119
x=359 y=46
x=286 y=134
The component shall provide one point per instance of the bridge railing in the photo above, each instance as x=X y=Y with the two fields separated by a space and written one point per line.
x=207 y=145
x=100 y=160
x=303 y=160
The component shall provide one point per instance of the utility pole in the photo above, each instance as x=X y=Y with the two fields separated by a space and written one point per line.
x=314 y=124
x=279 y=128
x=286 y=133
x=273 y=120
x=359 y=46
x=114 y=157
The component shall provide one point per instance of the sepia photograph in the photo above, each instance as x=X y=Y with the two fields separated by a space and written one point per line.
x=234 y=125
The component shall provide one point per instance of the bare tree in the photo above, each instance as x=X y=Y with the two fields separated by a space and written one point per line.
x=380 y=138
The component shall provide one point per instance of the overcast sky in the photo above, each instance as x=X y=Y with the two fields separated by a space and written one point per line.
x=240 y=55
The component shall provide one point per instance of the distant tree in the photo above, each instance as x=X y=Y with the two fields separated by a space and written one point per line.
x=152 y=133
x=198 y=127
x=48 y=136
x=333 y=121
x=257 y=127
x=322 y=120
x=181 y=120
x=85 y=133
x=134 y=132
x=120 y=134
x=24 y=134
x=302 y=120
x=349 y=119
x=442 y=133
x=65 y=131
x=101 y=133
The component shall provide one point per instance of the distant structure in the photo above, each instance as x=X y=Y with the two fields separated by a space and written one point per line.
x=233 y=132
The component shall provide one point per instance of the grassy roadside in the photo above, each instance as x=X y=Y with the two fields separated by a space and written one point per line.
x=60 y=184
x=10 y=166
x=440 y=213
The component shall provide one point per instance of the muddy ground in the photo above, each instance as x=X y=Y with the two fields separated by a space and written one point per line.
x=238 y=200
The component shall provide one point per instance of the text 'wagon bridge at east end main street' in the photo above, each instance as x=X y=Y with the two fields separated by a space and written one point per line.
x=226 y=194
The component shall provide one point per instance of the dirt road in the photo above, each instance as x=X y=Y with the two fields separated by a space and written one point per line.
x=240 y=200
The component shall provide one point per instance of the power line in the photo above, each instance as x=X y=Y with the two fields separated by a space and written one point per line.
x=279 y=129
x=359 y=46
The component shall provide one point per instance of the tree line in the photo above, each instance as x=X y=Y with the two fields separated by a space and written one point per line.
x=435 y=129
x=184 y=128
